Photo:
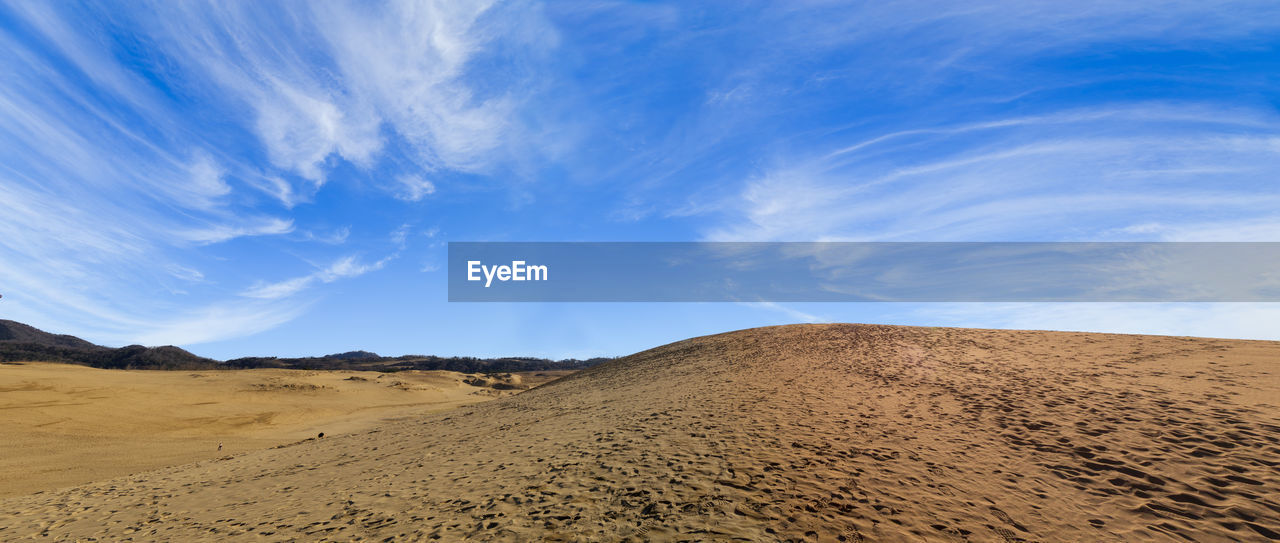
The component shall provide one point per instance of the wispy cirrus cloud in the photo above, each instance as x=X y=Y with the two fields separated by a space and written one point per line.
x=337 y=236
x=144 y=150
x=343 y=268
x=220 y=233
x=1157 y=173
x=336 y=80
x=790 y=312
x=213 y=322
x=1134 y=172
x=912 y=48
x=187 y=162
x=793 y=82
x=1006 y=121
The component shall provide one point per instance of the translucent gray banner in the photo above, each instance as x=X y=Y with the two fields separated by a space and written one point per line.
x=863 y=272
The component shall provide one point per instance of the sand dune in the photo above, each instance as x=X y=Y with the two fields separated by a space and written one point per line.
x=64 y=424
x=816 y=432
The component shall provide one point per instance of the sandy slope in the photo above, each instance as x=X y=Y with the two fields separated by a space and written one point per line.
x=826 y=432
x=64 y=424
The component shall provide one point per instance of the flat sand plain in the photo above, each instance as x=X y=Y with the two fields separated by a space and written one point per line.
x=64 y=424
x=797 y=433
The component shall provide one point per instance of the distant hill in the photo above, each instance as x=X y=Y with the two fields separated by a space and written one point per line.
x=12 y=331
x=353 y=355
x=20 y=342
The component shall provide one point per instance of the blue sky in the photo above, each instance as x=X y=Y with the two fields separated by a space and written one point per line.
x=246 y=178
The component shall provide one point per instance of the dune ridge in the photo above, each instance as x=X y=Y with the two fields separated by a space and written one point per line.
x=797 y=433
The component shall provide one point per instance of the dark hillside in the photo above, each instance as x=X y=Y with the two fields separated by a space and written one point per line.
x=17 y=332
x=19 y=343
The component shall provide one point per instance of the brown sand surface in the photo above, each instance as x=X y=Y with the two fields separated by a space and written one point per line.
x=813 y=432
x=64 y=424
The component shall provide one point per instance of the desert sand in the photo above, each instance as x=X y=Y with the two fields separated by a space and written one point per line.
x=797 y=433
x=66 y=424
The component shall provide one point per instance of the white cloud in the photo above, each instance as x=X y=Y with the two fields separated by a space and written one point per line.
x=336 y=237
x=205 y=182
x=222 y=233
x=104 y=191
x=282 y=289
x=417 y=88
x=301 y=131
x=400 y=235
x=1242 y=229
x=1151 y=172
x=793 y=314
x=413 y=188
x=916 y=44
x=213 y=323
x=349 y=267
x=326 y=82
x=110 y=185
x=185 y=273
x=343 y=268
x=277 y=188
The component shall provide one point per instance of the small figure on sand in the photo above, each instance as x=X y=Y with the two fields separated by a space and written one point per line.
x=219 y=445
